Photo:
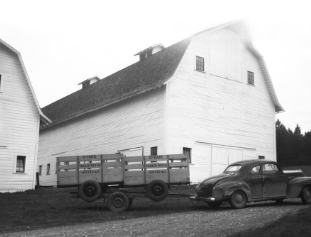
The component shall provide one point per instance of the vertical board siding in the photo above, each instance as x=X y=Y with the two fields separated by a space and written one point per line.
x=19 y=122
x=137 y=122
x=218 y=106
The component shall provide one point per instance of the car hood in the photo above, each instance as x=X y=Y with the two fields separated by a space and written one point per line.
x=205 y=188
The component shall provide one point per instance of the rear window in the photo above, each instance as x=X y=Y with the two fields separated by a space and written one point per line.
x=232 y=168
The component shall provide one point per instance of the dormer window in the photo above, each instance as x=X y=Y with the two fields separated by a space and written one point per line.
x=89 y=81
x=250 y=78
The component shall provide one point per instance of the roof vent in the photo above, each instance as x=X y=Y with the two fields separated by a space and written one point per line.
x=89 y=81
x=149 y=51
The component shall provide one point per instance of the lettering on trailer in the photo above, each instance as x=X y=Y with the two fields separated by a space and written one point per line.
x=159 y=165
x=89 y=165
x=89 y=157
x=155 y=158
x=90 y=172
x=156 y=171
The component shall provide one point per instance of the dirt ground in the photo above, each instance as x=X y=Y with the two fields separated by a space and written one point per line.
x=199 y=220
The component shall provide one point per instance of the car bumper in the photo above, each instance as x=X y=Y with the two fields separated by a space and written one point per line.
x=204 y=199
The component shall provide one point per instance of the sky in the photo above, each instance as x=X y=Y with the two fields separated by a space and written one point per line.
x=62 y=43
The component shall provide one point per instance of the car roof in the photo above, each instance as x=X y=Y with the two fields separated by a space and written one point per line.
x=251 y=162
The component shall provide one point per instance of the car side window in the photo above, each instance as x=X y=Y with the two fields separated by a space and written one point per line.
x=270 y=169
x=255 y=169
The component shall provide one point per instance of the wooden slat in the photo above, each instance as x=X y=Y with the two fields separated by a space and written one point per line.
x=67 y=167
x=178 y=157
x=89 y=157
x=133 y=177
x=63 y=174
x=156 y=158
x=178 y=164
x=155 y=165
x=67 y=158
x=112 y=164
x=179 y=175
x=134 y=166
x=113 y=171
x=89 y=165
x=111 y=156
x=134 y=158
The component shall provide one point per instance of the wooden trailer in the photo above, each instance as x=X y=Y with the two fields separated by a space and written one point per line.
x=95 y=175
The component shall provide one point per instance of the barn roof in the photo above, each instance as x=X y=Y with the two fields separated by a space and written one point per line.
x=137 y=78
x=140 y=77
x=43 y=118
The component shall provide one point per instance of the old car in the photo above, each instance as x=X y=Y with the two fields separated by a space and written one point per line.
x=253 y=181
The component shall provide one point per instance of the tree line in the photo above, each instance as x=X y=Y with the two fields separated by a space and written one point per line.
x=293 y=148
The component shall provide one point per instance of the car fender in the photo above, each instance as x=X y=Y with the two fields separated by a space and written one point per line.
x=295 y=186
x=229 y=187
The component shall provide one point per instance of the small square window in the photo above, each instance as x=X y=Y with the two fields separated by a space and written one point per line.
x=187 y=151
x=261 y=157
x=48 y=167
x=20 y=164
x=154 y=151
x=250 y=78
x=199 y=64
x=40 y=169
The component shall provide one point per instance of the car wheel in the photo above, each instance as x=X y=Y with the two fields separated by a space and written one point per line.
x=238 y=199
x=118 y=202
x=279 y=201
x=214 y=204
x=157 y=190
x=306 y=195
x=90 y=191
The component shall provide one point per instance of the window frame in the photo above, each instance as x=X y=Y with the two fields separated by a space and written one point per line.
x=1 y=82
x=199 y=64
x=17 y=164
x=40 y=170
x=156 y=151
x=48 y=169
x=270 y=172
x=190 y=151
x=250 y=78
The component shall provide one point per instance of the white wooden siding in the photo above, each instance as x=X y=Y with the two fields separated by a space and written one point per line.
x=200 y=167
x=19 y=125
x=137 y=122
x=212 y=109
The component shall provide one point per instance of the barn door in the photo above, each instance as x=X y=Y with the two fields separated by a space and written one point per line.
x=200 y=167
x=220 y=159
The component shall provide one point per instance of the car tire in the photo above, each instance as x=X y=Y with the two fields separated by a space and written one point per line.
x=214 y=204
x=279 y=201
x=238 y=199
x=306 y=195
x=157 y=190
x=90 y=191
x=118 y=202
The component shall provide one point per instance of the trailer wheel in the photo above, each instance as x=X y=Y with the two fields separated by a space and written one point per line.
x=118 y=202
x=306 y=195
x=157 y=190
x=90 y=191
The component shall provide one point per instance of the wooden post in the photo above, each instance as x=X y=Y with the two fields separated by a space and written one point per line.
x=78 y=164
x=37 y=179
x=168 y=169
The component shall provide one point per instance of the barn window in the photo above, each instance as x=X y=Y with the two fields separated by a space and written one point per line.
x=40 y=169
x=199 y=64
x=0 y=83
x=20 y=164
x=48 y=167
x=154 y=151
x=261 y=157
x=187 y=151
x=250 y=78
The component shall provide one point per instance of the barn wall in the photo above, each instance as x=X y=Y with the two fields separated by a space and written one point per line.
x=217 y=106
x=134 y=123
x=19 y=125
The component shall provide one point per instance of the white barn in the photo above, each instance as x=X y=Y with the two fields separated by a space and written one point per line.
x=20 y=117
x=209 y=95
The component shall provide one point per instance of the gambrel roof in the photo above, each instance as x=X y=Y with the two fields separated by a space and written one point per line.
x=43 y=118
x=140 y=77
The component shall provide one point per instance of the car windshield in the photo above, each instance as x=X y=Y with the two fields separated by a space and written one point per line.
x=232 y=168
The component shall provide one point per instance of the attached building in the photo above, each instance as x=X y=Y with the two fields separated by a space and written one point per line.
x=209 y=95
x=20 y=117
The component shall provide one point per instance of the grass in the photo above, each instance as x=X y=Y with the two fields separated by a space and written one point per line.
x=50 y=207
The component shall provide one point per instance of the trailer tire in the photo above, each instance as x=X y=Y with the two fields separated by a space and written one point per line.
x=118 y=202
x=90 y=191
x=157 y=190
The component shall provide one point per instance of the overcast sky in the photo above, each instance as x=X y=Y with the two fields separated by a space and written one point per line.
x=65 y=42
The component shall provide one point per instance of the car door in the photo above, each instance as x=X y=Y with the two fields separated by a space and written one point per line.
x=255 y=182
x=274 y=181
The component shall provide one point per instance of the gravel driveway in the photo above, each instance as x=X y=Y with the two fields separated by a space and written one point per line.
x=200 y=220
